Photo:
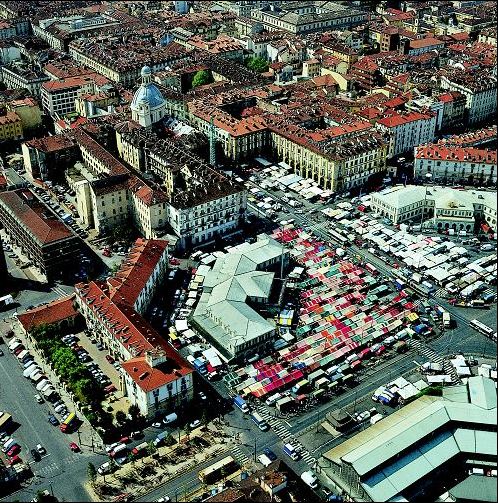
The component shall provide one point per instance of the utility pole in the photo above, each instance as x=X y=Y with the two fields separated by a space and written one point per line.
x=254 y=449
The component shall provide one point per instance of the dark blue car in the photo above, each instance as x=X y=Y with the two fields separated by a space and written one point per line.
x=269 y=454
x=53 y=420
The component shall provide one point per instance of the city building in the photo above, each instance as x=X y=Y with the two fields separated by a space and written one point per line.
x=441 y=208
x=421 y=449
x=47 y=158
x=4 y=274
x=455 y=164
x=479 y=88
x=28 y=111
x=299 y=18
x=155 y=377
x=423 y=45
x=23 y=76
x=10 y=126
x=59 y=97
x=42 y=237
x=408 y=129
x=227 y=312
x=60 y=312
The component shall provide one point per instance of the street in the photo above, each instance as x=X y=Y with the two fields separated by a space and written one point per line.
x=60 y=470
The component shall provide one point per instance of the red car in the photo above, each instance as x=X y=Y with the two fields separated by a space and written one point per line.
x=15 y=449
x=110 y=388
x=395 y=265
x=14 y=460
x=380 y=350
x=74 y=447
x=109 y=358
x=125 y=440
x=18 y=350
x=365 y=353
x=174 y=261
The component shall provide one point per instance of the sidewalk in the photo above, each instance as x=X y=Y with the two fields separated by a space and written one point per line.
x=86 y=434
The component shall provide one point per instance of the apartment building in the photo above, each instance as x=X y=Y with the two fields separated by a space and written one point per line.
x=48 y=157
x=455 y=164
x=43 y=238
x=7 y=30
x=155 y=377
x=423 y=45
x=408 y=129
x=59 y=97
x=10 y=126
x=21 y=76
x=479 y=88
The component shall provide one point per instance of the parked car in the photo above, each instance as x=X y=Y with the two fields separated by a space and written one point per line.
x=195 y=423
x=41 y=449
x=35 y=455
x=39 y=399
x=14 y=460
x=15 y=449
x=74 y=447
x=53 y=420
x=269 y=454
x=109 y=358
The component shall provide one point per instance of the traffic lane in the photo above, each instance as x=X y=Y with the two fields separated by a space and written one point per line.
x=186 y=482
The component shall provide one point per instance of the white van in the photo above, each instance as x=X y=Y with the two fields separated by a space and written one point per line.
x=104 y=468
x=273 y=399
x=15 y=346
x=42 y=384
x=119 y=448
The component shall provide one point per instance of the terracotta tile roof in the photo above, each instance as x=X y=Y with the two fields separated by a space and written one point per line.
x=150 y=378
x=9 y=118
x=439 y=152
x=54 y=312
x=125 y=286
x=398 y=119
x=425 y=42
x=52 y=143
x=39 y=221
x=69 y=83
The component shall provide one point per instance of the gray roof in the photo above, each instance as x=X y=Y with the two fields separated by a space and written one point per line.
x=235 y=278
x=374 y=453
x=475 y=488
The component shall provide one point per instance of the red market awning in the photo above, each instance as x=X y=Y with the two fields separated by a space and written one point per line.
x=361 y=207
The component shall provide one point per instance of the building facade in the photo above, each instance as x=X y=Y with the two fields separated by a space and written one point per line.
x=42 y=237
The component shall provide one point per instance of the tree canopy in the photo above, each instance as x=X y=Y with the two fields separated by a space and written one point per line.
x=201 y=78
x=257 y=64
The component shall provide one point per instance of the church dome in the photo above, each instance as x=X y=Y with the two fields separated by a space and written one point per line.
x=149 y=93
x=145 y=71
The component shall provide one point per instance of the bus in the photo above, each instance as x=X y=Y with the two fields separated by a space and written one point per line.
x=338 y=237
x=259 y=422
x=68 y=423
x=213 y=473
x=481 y=327
x=371 y=269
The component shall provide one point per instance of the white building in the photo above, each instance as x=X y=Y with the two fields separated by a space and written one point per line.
x=442 y=207
x=58 y=97
x=238 y=281
x=454 y=164
x=408 y=130
x=148 y=106
x=480 y=90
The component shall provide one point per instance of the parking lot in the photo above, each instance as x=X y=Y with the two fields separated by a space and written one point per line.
x=31 y=427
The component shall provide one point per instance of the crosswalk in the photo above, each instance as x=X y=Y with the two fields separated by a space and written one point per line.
x=239 y=454
x=441 y=293
x=48 y=470
x=433 y=357
x=285 y=435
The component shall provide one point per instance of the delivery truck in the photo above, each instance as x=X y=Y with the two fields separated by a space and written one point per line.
x=241 y=403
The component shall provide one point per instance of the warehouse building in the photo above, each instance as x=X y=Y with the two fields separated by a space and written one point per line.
x=237 y=284
x=422 y=449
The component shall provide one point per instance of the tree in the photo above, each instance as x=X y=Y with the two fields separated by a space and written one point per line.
x=204 y=419
x=257 y=64
x=201 y=78
x=120 y=417
x=91 y=472
x=151 y=448
x=187 y=430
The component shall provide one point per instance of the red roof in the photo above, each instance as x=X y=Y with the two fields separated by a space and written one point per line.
x=54 y=312
x=456 y=154
x=425 y=42
x=39 y=221
x=125 y=286
x=150 y=378
x=398 y=119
